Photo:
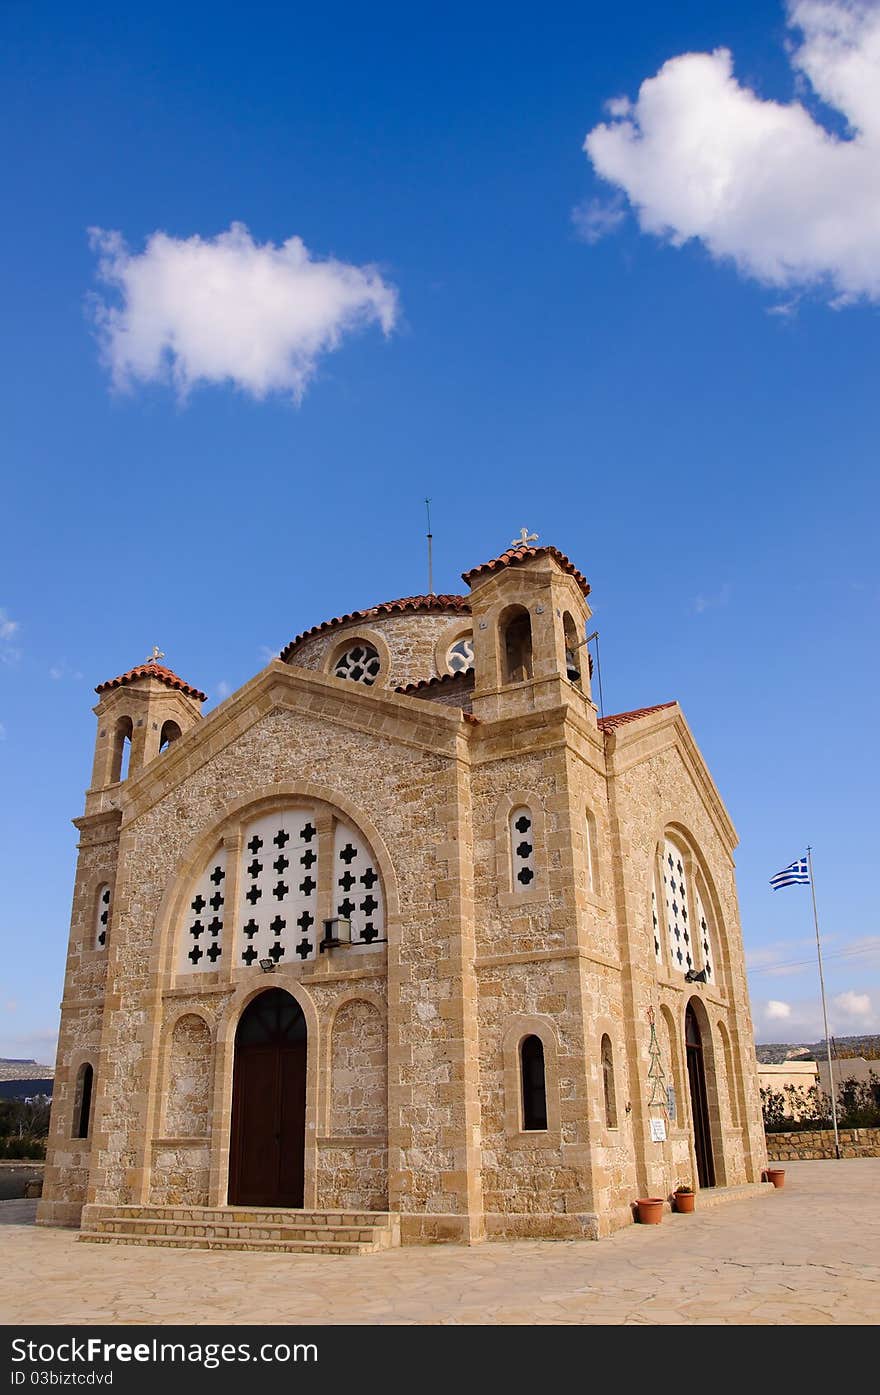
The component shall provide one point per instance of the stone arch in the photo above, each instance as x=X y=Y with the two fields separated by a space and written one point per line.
x=358 y=1085
x=120 y=750
x=730 y=1081
x=515 y=644
x=701 y=880
x=83 y=1101
x=188 y=1078
x=223 y=830
x=573 y=646
x=710 y=1062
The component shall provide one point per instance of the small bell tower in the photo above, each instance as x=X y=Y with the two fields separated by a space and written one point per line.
x=140 y=714
x=530 y=622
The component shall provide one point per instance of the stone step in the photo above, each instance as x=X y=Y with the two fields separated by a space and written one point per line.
x=212 y=1242
x=242 y=1228
x=245 y=1215
x=264 y=1230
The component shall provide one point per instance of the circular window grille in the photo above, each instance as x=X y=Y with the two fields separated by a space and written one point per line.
x=460 y=656
x=361 y=664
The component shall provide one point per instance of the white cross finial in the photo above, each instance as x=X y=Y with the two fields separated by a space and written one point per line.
x=156 y=655
x=525 y=537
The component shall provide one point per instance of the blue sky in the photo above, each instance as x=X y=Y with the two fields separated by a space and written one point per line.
x=691 y=416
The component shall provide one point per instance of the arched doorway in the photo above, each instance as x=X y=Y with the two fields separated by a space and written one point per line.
x=266 y=1158
x=699 y=1102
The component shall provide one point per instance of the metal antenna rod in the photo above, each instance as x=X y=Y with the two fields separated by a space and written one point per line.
x=430 y=550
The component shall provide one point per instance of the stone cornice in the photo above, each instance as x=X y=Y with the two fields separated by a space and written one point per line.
x=386 y=715
x=629 y=745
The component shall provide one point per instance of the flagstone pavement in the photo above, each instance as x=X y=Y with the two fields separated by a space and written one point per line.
x=807 y=1254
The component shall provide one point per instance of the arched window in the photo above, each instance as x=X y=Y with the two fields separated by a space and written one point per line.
x=121 y=749
x=102 y=915
x=359 y=664
x=522 y=849
x=534 y=1089
x=688 y=928
x=591 y=849
x=82 y=1101
x=460 y=655
x=170 y=732
x=516 y=644
x=572 y=651
x=608 y=1083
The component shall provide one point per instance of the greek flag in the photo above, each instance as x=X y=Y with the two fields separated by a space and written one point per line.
x=795 y=875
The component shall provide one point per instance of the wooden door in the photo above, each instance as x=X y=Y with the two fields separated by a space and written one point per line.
x=267 y=1153
x=699 y=1101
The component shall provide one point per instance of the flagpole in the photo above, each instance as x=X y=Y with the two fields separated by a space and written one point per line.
x=824 y=1009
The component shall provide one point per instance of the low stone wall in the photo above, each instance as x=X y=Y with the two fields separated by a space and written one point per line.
x=819 y=1143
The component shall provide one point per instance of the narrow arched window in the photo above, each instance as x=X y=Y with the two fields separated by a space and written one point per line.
x=534 y=1089
x=102 y=915
x=608 y=1083
x=121 y=749
x=592 y=853
x=522 y=849
x=516 y=644
x=82 y=1101
x=170 y=732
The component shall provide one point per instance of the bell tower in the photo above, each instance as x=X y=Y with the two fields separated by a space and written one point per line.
x=530 y=616
x=140 y=714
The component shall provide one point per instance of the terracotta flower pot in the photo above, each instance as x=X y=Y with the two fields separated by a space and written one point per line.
x=684 y=1202
x=776 y=1175
x=650 y=1210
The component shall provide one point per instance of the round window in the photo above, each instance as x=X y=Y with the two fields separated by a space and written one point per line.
x=360 y=663
x=460 y=656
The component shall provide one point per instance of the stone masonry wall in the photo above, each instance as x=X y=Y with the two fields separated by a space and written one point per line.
x=819 y=1143
x=411 y=639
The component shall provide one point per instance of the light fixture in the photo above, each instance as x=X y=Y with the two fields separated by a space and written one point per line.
x=337 y=932
x=693 y=977
x=268 y=966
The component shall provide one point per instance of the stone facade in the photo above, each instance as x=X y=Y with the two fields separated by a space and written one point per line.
x=502 y=867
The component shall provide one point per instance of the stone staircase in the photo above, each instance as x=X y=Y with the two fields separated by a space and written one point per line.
x=242 y=1228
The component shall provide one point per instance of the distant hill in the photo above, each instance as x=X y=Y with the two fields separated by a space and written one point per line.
x=775 y=1053
x=12 y=1069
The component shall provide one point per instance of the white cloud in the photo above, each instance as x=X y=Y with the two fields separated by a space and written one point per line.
x=762 y=183
x=777 y=1011
x=596 y=218
x=855 y=1005
x=9 y=652
x=62 y=669
x=222 y=689
x=2 y=732
x=227 y=309
x=718 y=598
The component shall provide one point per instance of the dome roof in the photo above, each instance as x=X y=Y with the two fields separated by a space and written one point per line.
x=406 y=605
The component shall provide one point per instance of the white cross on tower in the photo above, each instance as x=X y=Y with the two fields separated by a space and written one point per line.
x=156 y=655
x=525 y=537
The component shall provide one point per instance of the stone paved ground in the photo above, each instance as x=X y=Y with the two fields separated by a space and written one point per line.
x=807 y=1254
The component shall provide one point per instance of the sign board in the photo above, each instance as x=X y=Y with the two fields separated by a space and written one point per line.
x=671 y=1106
x=658 y=1130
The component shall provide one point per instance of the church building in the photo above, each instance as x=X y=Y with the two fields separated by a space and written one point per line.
x=403 y=942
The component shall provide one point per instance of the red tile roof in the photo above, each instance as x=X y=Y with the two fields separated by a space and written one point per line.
x=407 y=605
x=435 y=682
x=620 y=719
x=514 y=556
x=163 y=674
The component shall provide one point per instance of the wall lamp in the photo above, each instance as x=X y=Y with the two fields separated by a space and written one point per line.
x=268 y=966
x=337 y=932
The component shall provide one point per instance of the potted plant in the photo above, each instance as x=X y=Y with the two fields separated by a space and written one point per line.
x=650 y=1209
x=685 y=1198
